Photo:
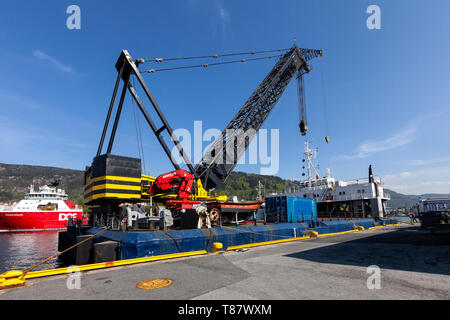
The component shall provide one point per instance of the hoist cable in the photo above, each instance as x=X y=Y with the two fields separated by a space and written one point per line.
x=136 y=129
x=209 y=64
x=141 y=142
x=324 y=101
x=138 y=132
x=211 y=56
x=301 y=99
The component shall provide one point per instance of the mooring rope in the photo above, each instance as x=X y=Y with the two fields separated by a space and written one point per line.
x=174 y=241
x=354 y=224
x=26 y=270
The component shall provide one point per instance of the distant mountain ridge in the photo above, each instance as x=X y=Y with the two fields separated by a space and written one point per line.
x=15 y=180
x=399 y=200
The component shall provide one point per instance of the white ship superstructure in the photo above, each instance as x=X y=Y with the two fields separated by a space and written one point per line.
x=45 y=209
x=45 y=199
x=362 y=197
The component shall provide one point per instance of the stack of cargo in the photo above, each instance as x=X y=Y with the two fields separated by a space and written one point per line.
x=291 y=209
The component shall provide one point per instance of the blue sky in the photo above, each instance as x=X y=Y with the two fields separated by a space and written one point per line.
x=387 y=91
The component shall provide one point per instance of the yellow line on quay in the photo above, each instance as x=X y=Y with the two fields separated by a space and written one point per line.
x=103 y=265
x=389 y=225
x=265 y=243
x=312 y=235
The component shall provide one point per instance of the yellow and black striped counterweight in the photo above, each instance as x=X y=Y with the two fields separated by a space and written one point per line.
x=113 y=178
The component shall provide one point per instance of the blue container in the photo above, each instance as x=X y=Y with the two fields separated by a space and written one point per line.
x=292 y=209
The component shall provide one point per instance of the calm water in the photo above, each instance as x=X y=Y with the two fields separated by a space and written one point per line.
x=19 y=250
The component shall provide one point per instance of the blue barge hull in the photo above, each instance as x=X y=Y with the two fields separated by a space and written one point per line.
x=138 y=244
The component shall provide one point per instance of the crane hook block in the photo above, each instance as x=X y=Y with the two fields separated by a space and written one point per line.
x=303 y=127
x=327 y=139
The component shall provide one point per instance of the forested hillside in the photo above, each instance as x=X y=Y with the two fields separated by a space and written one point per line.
x=16 y=179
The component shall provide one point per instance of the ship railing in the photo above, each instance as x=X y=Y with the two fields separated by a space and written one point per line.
x=345 y=215
x=357 y=181
x=355 y=196
x=363 y=180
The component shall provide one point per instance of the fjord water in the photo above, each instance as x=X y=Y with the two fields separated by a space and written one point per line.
x=19 y=250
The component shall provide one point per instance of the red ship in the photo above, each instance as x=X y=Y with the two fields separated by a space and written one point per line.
x=47 y=209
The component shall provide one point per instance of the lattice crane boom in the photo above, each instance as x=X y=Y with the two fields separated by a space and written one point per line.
x=222 y=157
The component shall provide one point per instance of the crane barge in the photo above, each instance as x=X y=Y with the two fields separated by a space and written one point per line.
x=113 y=179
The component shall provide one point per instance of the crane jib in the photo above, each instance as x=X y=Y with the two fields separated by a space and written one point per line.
x=216 y=165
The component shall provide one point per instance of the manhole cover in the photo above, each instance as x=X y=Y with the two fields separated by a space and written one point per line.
x=153 y=284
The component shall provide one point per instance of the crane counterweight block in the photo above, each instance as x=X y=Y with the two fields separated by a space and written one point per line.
x=113 y=178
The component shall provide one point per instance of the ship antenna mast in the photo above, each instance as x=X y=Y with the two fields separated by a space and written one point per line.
x=309 y=164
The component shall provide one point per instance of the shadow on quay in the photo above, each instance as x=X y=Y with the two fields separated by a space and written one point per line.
x=409 y=249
